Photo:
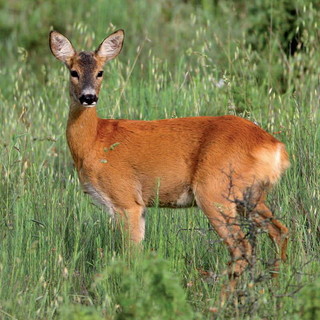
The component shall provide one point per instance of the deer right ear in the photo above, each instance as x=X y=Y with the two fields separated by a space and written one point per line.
x=61 y=47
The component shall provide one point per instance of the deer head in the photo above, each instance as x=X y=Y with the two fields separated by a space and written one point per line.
x=86 y=67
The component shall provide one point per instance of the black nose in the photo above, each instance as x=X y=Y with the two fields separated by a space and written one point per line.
x=88 y=99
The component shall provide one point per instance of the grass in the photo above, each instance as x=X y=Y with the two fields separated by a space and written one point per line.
x=60 y=257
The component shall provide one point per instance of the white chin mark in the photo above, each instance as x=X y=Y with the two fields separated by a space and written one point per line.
x=89 y=105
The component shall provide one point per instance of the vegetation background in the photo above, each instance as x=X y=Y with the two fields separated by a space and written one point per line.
x=59 y=255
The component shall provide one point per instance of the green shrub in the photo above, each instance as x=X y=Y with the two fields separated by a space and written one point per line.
x=146 y=289
x=79 y=313
x=308 y=302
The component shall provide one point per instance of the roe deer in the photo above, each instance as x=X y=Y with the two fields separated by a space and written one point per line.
x=209 y=162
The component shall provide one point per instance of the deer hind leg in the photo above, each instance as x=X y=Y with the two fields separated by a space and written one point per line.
x=223 y=217
x=278 y=233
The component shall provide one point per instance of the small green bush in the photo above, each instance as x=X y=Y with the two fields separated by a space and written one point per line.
x=79 y=313
x=308 y=302
x=147 y=289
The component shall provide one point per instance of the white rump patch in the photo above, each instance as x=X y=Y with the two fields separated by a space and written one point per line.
x=277 y=157
x=272 y=163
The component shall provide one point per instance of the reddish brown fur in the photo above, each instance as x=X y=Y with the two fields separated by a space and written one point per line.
x=206 y=161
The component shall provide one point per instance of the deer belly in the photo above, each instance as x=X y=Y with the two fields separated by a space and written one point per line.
x=180 y=197
x=99 y=197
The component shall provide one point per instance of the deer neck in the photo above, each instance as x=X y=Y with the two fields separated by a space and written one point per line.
x=81 y=131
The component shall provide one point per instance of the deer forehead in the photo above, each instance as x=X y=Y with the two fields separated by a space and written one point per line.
x=86 y=61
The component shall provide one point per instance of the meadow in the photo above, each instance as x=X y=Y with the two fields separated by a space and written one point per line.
x=60 y=255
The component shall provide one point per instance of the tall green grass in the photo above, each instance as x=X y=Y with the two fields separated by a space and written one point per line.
x=60 y=255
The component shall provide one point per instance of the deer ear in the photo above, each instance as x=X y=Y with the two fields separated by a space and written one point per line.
x=110 y=46
x=61 y=47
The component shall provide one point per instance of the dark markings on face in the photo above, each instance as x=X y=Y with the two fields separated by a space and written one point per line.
x=88 y=65
x=86 y=59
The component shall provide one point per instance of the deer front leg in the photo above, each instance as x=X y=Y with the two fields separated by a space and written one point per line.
x=133 y=221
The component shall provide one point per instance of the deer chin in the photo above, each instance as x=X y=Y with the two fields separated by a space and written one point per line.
x=86 y=105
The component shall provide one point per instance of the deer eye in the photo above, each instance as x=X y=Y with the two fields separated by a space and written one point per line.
x=100 y=74
x=74 y=74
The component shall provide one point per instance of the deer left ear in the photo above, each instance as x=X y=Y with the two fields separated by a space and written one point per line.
x=110 y=46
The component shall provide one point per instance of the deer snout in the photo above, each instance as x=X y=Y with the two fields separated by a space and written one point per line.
x=88 y=99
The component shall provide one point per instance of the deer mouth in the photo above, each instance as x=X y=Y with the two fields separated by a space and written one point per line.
x=88 y=100
x=89 y=104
